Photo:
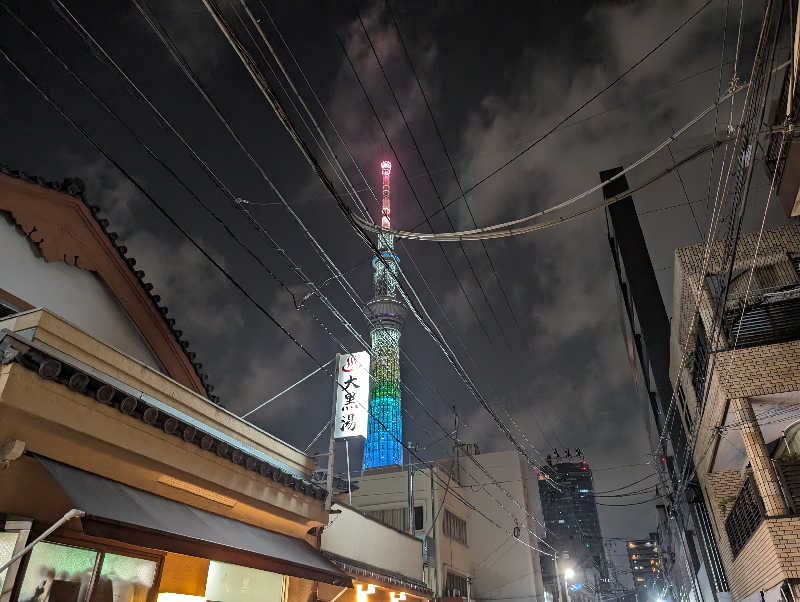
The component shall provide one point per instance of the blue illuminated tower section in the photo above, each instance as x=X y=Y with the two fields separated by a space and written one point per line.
x=386 y=315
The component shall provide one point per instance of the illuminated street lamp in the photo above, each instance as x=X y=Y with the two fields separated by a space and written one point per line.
x=568 y=574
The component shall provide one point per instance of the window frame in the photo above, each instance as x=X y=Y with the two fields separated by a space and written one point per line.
x=102 y=547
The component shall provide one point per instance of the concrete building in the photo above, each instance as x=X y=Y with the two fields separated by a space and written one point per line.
x=645 y=565
x=104 y=409
x=474 y=518
x=566 y=489
x=746 y=447
x=692 y=564
x=390 y=567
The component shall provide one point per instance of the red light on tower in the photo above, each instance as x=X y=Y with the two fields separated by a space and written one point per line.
x=386 y=170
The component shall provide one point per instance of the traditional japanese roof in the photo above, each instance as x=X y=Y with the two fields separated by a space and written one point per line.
x=63 y=226
x=358 y=569
x=54 y=365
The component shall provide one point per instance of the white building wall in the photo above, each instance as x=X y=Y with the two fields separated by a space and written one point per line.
x=77 y=295
x=389 y=490
x=353 y=536
x=502 y=567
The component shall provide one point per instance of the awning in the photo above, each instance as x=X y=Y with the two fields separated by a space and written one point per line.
x=123 y=513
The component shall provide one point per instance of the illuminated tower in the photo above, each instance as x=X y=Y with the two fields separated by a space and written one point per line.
x=386 y=315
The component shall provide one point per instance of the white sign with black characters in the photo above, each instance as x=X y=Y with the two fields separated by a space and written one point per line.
x=352 y=396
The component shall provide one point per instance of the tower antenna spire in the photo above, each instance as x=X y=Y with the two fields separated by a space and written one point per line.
x=386 y=209
x=387 y=314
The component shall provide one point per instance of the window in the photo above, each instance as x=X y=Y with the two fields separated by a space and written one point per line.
x=455 y=528
x=455 y=585
x=6 y=309
x=419 y=518
x=8 y=541
x=58 y=572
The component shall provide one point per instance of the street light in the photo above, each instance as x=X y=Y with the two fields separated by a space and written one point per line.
x=568 y=574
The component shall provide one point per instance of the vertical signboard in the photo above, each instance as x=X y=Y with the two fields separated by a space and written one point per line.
x=352 y=395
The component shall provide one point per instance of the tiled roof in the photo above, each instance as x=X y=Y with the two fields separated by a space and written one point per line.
x=75 y=187
x=56 y=366
x=356 y=569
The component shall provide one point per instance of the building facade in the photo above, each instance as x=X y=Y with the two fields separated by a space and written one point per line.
x=476 y=518
x=107 y=433
x=645 y=566
x=735 y=349
x=692 y=566
x=388 y=569
x=566 y=489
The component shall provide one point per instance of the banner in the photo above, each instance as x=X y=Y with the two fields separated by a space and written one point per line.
x=352 y=396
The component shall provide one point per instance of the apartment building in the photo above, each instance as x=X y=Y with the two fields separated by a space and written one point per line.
x=740 y=400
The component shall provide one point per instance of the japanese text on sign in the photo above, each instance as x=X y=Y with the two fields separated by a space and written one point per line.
x=352 y=395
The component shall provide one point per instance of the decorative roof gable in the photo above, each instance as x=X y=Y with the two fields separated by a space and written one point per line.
x=56 y=218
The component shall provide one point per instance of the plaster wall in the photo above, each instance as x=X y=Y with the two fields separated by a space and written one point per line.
x=78 y=295
x=352 y=535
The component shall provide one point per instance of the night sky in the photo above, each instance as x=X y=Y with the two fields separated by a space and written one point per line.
x=497 y=75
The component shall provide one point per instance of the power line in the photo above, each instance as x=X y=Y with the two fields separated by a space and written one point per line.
x=165 y=213
x=425 y=166
x=404 y=248
x=588 y=101
x=314 y=164
x=505 y=229
x=410 y=185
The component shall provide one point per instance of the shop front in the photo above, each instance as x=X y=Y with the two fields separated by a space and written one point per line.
x=175 y=499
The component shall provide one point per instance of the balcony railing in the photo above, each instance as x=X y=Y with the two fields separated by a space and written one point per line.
x=789 y=477
x=745 y=516
x=748 y=512
x=428 y=551
x=769 y=317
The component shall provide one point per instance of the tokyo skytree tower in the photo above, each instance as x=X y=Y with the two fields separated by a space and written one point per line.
x=387 y=315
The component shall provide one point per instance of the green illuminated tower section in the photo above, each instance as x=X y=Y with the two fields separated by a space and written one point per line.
x=387 y=315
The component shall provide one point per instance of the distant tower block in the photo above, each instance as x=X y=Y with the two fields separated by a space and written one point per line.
x=387 y=315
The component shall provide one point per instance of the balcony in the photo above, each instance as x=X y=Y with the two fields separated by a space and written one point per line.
x=745 y=517
x=771 y=316
x=748 y=513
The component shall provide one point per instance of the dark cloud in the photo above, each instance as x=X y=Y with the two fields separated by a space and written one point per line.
x=497 y=77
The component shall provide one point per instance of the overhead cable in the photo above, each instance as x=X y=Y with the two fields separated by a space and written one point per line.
x=274 y=102
x=505 y=229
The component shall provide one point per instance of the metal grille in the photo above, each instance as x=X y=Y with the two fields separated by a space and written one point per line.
x=745 y=517
x=789 y=475
x=765 y=323
x=428 y=551
x=455 y=585
x=455 y=528
x=702 y=352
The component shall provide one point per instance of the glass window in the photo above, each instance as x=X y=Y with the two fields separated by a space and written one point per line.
x=57 y=573
x=418 y=518
x=7 y=543
x=233 y=583
x=124 y=579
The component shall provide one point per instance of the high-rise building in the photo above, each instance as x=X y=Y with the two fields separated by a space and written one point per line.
x=383 y=447
x=693 y=564
x=566 y=489
x=645 y=564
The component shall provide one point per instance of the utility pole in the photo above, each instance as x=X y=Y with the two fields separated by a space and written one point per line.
x=332 y=442
x=411 y=529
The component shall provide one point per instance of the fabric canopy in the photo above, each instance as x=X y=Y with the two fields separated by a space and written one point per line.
x=120 y=512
